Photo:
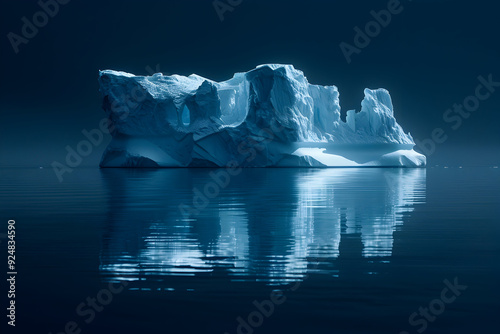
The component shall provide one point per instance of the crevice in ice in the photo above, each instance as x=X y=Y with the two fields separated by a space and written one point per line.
x=186 y=116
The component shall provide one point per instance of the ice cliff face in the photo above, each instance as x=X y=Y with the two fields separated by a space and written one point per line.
x=270 y=116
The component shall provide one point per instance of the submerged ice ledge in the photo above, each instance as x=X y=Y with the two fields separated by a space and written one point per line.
x=268 y=117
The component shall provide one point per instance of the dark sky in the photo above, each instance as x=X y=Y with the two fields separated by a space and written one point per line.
x=429 y=57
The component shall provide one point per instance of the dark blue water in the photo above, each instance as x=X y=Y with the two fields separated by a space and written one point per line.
x=266 y=251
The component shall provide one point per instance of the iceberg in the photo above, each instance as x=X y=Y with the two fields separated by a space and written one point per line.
x=268 y=117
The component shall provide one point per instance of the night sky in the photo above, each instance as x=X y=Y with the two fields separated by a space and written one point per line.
x=429 y=57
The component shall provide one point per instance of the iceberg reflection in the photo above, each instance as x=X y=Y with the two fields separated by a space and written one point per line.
x=272 y=225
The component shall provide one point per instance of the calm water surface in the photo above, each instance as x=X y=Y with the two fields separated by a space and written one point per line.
x=265 y=251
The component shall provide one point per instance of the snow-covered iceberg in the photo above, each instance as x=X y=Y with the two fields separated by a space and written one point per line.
x=268 y=117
